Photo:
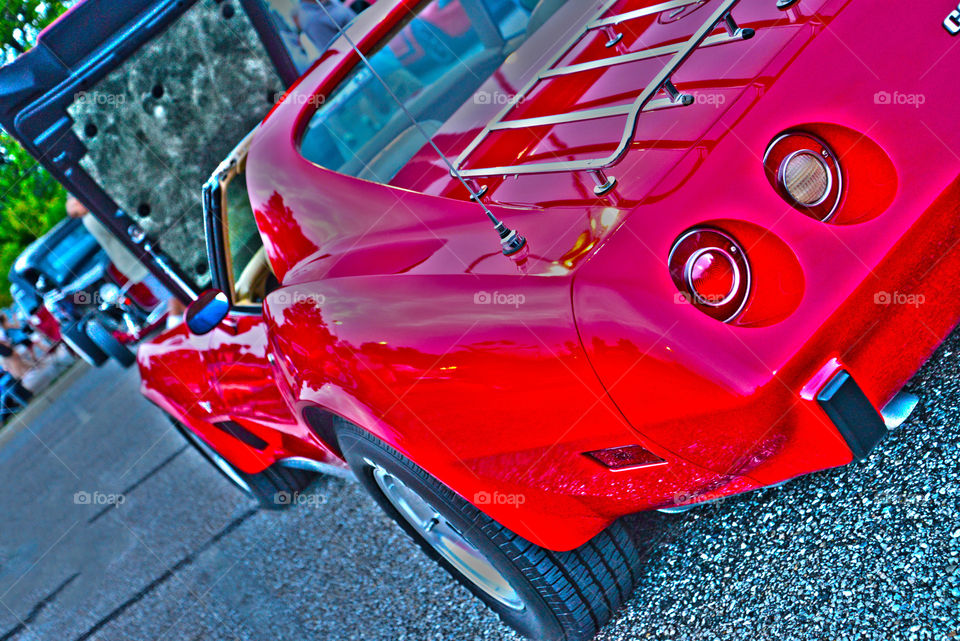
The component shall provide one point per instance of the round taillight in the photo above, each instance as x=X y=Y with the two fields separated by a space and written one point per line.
x=806 y=173
x=712 y=276
x=712 y=272
x=806 y=177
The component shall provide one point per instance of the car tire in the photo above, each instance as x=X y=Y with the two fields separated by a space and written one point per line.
x=275 y=488
x=108 y=344
x=81 y=345
x=540 y=593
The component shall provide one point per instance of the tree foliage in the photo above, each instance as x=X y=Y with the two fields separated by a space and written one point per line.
x=22 y=20
x=31 y=201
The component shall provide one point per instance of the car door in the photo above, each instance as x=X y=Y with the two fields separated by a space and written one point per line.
x=237 y=353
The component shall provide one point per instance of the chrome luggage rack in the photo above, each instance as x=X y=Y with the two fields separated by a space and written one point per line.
x=646 y=101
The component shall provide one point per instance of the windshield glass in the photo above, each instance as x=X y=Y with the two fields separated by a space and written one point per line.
x=433 y=64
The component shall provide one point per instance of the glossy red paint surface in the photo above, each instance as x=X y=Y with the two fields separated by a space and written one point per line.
x=225 y=376
x=399 y=313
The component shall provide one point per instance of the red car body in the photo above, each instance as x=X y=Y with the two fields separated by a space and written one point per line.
x=398 y=311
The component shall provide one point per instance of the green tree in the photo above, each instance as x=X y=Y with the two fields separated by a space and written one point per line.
x=31 y=201
x=22 y=20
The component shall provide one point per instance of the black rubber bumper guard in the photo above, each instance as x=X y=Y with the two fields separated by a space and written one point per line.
x=857 y=420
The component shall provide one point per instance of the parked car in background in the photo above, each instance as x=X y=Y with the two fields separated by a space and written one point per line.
x=67 y=259
x=66 y=274
x=32 y=310
x=617 y=260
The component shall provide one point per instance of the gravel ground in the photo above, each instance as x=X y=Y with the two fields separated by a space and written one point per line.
x=865 y=552
x=869 y=551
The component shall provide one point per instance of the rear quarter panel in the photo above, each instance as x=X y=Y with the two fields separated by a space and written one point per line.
x=495 y=399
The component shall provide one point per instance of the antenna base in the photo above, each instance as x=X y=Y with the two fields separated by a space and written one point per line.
x=510 y=240
x=513 y=244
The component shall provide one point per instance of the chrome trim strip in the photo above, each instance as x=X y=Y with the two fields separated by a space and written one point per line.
x=303 y=463
x=586 y=114
x=633 y=468
x=678 y=510
x=560 y=53
x=557 y=119
x=646 y=54
x=638 y=106
x=158 y=312
x=640 y=13
x=171 y=274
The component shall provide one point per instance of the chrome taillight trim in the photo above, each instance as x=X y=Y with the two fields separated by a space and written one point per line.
x=736 y=248
x=688 y=276
x=834 y=171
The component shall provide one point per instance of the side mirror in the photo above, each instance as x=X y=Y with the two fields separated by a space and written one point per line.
x=207 y=311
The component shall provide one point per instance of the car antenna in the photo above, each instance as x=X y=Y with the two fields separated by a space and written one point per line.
x=511 y=241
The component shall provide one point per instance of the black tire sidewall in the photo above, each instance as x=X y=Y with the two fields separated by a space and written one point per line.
x=275 y=488
x=77 y=339
x=536 y=620
x=103 y=339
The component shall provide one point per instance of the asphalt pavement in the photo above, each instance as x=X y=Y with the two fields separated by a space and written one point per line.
x=111 y=529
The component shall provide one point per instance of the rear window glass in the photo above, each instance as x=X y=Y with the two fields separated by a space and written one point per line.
x=433 y=64
x=306 y=30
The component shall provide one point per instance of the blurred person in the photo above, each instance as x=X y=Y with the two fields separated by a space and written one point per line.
x=46 y=326
x=18 y=335
x=121 y=257
x=14 y=365
x=321 y=20
x=175 y=312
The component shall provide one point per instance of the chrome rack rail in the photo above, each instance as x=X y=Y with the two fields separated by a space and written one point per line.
x=646 y=101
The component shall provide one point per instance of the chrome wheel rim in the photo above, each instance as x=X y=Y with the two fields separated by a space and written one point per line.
x=446 y=539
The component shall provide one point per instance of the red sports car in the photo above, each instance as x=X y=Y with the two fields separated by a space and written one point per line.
x=615 y=256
